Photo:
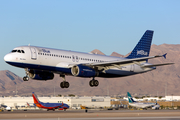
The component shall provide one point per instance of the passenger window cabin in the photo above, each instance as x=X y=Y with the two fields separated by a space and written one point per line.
x=63 y=56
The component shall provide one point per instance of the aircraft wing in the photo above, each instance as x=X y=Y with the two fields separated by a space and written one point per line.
x=123 y=62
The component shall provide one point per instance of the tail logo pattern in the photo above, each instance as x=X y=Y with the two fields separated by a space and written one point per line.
x=142 y=52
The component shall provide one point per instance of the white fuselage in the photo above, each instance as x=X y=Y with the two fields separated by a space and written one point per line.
x=142 y=105
x=61 y=61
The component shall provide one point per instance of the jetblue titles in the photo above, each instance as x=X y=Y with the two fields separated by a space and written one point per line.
x=141 y=52
x=46 y=51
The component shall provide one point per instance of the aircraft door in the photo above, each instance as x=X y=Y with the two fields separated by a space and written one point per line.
x=33 y=53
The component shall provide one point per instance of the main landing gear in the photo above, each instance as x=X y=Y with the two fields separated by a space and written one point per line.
x=26 y=78
x=64 y=84
x=93 y=83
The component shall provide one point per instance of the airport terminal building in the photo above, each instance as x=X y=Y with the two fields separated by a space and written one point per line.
x=73 y=102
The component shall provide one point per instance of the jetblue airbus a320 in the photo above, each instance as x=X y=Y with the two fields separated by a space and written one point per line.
x=42 y=63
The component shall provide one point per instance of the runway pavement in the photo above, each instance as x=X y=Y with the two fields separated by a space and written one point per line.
x=92 y=114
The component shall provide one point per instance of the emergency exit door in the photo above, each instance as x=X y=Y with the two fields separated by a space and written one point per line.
x=33 y=53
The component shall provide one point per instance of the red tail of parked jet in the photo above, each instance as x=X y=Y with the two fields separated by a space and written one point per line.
x=49 y=106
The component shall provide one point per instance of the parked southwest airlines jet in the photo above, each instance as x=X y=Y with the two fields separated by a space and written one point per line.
x=41 y=63
x=49 y=106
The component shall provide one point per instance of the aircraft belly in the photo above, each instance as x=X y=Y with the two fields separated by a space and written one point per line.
x=119 y=72
x=115 y=73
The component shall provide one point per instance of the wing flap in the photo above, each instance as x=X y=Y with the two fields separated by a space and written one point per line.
x=154 y=65
x=122 y=62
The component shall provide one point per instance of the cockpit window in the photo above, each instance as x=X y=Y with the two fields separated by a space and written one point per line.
x=13 y=51
x=19 y=51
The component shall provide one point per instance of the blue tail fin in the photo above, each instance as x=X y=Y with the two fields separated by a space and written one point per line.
x=130 y=99
x=142 y=49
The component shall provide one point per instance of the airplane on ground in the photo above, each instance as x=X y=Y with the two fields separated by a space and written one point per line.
x=5 y=107
x=31 y=104
x=42 y=63
x=49 y=106
x=140 y=104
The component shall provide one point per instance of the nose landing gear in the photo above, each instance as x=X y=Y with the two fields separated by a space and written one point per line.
x=26 y=78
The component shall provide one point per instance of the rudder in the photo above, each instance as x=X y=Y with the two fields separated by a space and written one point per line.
x=142 y=49
x=130 y=99
x=36 y=100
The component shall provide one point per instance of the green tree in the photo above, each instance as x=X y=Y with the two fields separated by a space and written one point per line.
x=160 y=97
x=162 y=107
x=71 y=95
x=137 y=97
x=59 y=95
x=143 y=97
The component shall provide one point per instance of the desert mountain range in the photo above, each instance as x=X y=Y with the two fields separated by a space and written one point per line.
x=156 y=82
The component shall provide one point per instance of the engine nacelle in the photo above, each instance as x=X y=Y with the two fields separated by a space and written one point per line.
x=83 y=71
x=40 y=75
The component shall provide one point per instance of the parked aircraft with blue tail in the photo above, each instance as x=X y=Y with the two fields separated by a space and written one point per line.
x=143 y=105
x=49 y=106
x=42 y=63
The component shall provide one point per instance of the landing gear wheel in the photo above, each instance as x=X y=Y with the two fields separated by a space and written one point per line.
x=26 y=78
x=93 y=83
x=96 y=83
x=61 y=85
x=64 y=84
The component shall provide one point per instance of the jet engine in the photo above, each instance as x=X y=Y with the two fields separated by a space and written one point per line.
x=83 y=71
x=40 y=75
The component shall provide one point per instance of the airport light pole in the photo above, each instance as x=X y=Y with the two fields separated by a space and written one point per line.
x=16 y=90
x=166 y=89
x=172 y=101
x=54 y=91
x=108 y=90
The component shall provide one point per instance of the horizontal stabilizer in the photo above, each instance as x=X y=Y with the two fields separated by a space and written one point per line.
x=165 y=55
x=148 y=66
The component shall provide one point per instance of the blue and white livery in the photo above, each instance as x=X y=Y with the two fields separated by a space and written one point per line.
x=42 y=63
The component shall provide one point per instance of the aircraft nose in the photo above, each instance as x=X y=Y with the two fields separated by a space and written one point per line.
x=7 y=57
x=66 y=106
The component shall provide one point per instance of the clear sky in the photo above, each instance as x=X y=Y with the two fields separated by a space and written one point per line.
x=85 y=25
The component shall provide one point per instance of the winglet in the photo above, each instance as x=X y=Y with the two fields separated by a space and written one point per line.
x=164 y=55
